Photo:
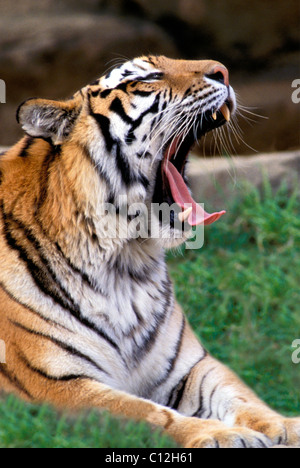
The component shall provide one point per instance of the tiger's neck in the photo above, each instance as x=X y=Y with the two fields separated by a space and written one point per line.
x=69 y=215
x=56 y=248
x=64 y=209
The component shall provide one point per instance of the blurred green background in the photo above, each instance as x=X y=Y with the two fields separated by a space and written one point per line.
x=241 y=290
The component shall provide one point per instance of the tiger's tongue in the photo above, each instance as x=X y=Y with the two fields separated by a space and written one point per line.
x=182 y=197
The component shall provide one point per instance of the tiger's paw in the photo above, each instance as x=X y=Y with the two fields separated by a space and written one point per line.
x=280 y=430
x=292 y=432
x=236 y=437
x=209 y=433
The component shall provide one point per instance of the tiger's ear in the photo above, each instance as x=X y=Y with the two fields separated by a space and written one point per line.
x=49 y=119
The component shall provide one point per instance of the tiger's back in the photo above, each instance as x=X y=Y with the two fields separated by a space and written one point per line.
x=87 y=310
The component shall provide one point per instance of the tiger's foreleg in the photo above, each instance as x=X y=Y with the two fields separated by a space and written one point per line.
x=187 y=431
x=212 y=392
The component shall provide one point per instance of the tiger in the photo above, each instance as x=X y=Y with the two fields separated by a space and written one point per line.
x=88 y=314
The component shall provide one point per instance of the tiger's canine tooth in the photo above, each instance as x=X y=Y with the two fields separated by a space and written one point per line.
x=183 y=216
x=226 y=112
x=214 y=116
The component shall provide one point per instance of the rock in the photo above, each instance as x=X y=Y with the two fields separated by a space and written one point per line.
x=270 y=121
x=215 y=181
x=191 y=12
x=256 y=31
x=154 y=9
x=237 y=31
x=51 y=49
x=32 y=7
x=53 y=56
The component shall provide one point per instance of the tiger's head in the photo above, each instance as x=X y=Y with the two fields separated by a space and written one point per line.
x=137 y=125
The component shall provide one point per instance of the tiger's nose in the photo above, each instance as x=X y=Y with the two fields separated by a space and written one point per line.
x=219 y=73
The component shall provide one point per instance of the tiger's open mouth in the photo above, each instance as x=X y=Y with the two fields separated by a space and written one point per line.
x=171 y=186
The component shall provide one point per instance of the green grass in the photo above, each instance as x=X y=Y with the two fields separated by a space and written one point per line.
x=33 y=426
x=241 y=294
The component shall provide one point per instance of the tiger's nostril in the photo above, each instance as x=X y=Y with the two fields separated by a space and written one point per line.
x=219 y=74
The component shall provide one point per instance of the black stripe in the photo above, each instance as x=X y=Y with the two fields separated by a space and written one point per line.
x=124 y=167
x=262 y=444
x=62 y=378
x=129 y=177
x=127 y=73
x=13 y=380
x=157 y=120
x=97 y=166
x=107 y=76
x=136 y=123
x=95 y=93
x=111 y=201
x=149 y=341
x=141 y=93
x=143 y=275
x=44 y=278
x=28 y=142
x=104 y=125
x=29 y=309
x=210 y=402
x=200 y=411
x=117 y=107
x=143 y=180
x=159 y=319
x=180 y=393
x=172 y=361
x=123 y=87
x=177 y=392
x=70 y=349
x=88 y=223
x=105 y=93
x=44 y=176
x=187 y=92
x=40 y=270
x=85 y=278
